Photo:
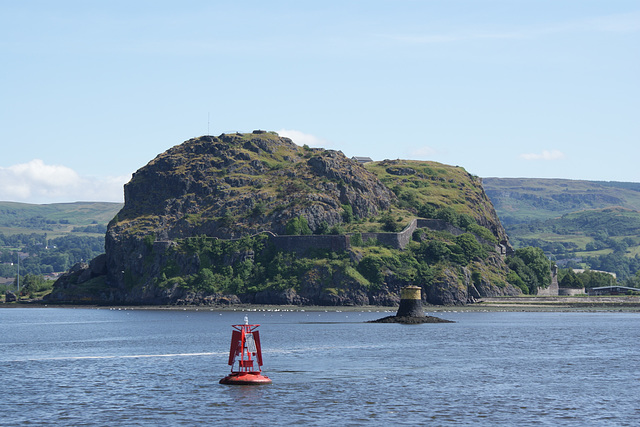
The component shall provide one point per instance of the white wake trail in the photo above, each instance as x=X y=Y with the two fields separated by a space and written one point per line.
x=129 y=356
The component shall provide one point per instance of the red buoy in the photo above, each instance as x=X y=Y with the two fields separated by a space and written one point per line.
x=245 y=356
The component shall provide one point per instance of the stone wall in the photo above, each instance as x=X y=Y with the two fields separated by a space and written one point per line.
x=571 y=291
x=338 y=243
x=553 y=289
x=302 y=244
x=401 y=240
x=395 y=240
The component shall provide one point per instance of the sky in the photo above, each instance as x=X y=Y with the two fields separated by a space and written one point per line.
x=91 y=91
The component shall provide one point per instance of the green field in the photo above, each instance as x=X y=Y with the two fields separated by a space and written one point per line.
x=56 y=219
x=595 y=222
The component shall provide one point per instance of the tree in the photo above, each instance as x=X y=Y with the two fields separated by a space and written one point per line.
x=449 y=215
x=32 y=283
x=594 y=279
x=297 y=226
x=537 y=261
x=205 y=280
x=347 y=213
x=532 y=266
x=470 y=247
x=570 y=280
x=633 y=282
x=389 y=224
x=259 y=209
x=371 y=268
x=433 y=251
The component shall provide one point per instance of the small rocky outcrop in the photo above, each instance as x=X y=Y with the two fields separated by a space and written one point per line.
x=410 y=310
x=411 y=320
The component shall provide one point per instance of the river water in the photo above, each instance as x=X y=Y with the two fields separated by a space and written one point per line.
x=64 y=366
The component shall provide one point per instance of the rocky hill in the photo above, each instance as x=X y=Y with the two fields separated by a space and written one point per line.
x=204 y=222
x=240 y=184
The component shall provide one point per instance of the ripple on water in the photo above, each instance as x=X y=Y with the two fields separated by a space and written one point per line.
x=163 y=368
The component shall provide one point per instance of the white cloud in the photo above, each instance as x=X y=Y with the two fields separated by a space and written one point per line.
x=302 y=138
x=37 y=182
x=545 y=155
x=423 y=153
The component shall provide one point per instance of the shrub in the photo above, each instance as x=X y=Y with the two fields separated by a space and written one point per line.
x=389 y=224
x=448 y=214
x=356 y=240
x=298 y=226
x=470 y=247
x=347 y=213
x=323 y=228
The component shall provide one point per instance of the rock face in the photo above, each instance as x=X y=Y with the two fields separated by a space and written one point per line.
x=204 y=184
x=227 y=187
x=230 y=187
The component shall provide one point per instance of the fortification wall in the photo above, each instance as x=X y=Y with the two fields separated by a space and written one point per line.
x=571 y=291
x=338 y=243
x=302 y=244
x=395 y=240
x=401 y=240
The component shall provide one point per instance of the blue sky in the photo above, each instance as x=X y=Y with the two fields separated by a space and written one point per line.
x=91 y=91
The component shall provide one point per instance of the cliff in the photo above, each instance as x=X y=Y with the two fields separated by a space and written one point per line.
x=204 y=222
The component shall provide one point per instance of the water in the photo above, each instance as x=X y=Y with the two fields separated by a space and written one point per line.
x=160 y=367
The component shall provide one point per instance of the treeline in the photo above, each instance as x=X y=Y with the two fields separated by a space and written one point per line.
x=561 y=250
x=626 y=268
x=41 y=255
x=530 y=270
x=226 y=269
x=271 y=269
x=612 y=229
x=31 y=286
x=598 y=224
x=567 y=278
x=37 y=222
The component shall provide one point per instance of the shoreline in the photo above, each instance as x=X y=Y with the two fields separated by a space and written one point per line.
x=508 y=304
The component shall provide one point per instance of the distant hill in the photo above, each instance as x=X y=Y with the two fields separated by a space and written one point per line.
x=51 y=237
x=55 y=219
x=583 y=233
x=594 y=224
x=522 y=200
